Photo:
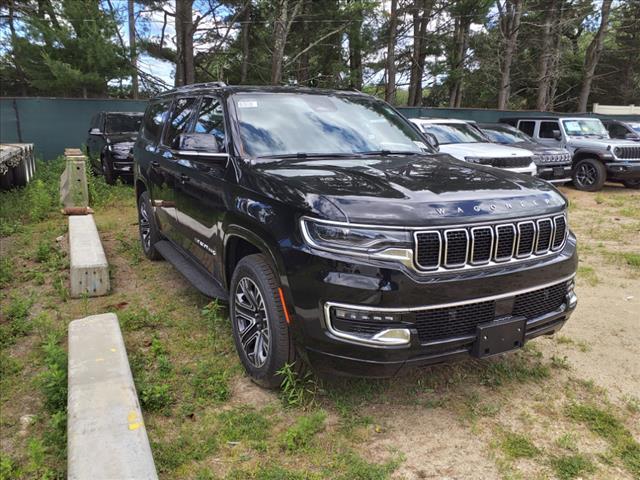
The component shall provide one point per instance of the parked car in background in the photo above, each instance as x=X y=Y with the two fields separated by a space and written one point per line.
x=553 y=163
x=111 y=137
x=464 y=141
x=339 y=238
x=596 y=157
x=622 y=130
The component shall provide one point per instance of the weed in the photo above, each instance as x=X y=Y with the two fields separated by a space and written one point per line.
x=572 y=466
x=43 y=252
x=633 y=404
x=353 y=467
x=155 y=397
x=297 y=391
x=515 y=445
x=567 y=441
x=270 y=472
x=53 y=381
x=137 y=318
x=513 y=368
x=299 y=436
x=589 y=275
x=211 y=382
x=561 y=363
x=190 y=446
x=632 y=259
x=60 y=287
x=8 y=468
x=18 y=325
x=6 y=270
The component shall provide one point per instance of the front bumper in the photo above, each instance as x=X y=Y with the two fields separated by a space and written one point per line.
x=530 y=170
x=555 y=173
x=621 y=170
x=122 y=166
x=324 y=282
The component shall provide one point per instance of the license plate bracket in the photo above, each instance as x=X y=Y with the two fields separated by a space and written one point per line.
x=499 y=336
x=558 y=172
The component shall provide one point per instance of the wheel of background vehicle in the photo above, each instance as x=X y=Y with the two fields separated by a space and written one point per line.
x=149 y=233
x=635 y=184
x=260 y=329
x=589 y=175
x=107 y=171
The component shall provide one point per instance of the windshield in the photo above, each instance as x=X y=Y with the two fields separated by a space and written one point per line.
x=635 y=127
x=585 y=128
x=506 y=135
x=447 y=133
x=282 y=124
x=123 y=123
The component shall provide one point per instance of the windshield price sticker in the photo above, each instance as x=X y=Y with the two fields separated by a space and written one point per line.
x=247 y=104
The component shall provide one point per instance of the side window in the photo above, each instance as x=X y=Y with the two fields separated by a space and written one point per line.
x=179 y=119
x=154 y=120
x=527 y=127
x=617 y=131
x=547 y=128
x=211 y=120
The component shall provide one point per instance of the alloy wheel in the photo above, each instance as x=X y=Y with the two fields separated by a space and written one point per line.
x=587 y=174
x=145 y=226
x=252 y=321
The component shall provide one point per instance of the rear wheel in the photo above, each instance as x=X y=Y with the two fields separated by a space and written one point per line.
x=149 y=233
x=107 y=171
x=634 y=184
x=260 y=329
x=589 y=175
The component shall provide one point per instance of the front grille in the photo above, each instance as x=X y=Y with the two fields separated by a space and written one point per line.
x=448 y=322
x=507 y=162
x=462 y=247
x=627 y=152
x=540 y=302
x=549 y=158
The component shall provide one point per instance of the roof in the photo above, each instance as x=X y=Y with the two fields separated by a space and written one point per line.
x=200 y=88
x=557 y=117
x=440 y=120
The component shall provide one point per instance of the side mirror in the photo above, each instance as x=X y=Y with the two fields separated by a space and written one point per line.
x=200 y=145
x=557 y=135
x=95 y=131
x=432 y=140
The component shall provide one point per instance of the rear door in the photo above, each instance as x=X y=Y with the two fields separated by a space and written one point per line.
x=201 y=204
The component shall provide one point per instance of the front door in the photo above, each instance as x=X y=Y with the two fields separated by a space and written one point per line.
x=547 y=132
x=201 y=197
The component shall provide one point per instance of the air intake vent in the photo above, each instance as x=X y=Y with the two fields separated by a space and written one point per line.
x=505 y=240
x=526 y=238
x=545 y=232
x=428 y=249
x=455 y=248
x=481 y=245
x=561 y=232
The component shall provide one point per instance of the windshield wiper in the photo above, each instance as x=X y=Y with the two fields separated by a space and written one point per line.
x=302 y=155
x=385 y=153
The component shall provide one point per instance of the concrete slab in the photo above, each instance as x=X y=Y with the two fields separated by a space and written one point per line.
x=74 y=191
x=89 y=267
x=106 y=436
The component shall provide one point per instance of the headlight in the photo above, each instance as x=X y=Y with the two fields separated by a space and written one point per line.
x=617 y=151
x=472 y=159
x=538 y=159
x=381 y=243
x=110 y=147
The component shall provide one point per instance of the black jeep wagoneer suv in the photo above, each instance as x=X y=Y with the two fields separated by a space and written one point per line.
x=340 y=238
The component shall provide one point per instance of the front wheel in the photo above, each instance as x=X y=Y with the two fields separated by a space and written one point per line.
x=260 y=329
x=149 y=233
x=634 y=184
x=589 y=175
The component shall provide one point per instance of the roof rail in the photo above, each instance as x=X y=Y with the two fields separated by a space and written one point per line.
x=202 y=85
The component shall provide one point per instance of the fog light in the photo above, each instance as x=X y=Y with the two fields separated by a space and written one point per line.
x=365 y=316
x=393 y=336
x=572 y=300
x=368 y=327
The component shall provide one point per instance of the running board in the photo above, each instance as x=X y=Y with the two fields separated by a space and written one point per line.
x=202 y=281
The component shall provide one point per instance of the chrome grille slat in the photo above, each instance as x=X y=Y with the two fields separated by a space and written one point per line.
x=627 y=152
x=442 y=248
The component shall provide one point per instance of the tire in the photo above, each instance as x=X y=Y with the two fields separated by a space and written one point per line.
x=633 y=184
x=107 y=171
x=589 y=175
x=147 y=227
x=257 y=315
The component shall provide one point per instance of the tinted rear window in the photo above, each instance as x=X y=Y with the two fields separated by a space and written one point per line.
x=154 y=120
x=527 y=127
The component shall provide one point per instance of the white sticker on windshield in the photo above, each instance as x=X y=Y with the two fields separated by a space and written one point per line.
x=247 y=104
x=572 y=127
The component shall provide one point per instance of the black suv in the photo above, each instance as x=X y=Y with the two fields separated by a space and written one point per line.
x=339 y=238
x=622 y=130
x=111 y=137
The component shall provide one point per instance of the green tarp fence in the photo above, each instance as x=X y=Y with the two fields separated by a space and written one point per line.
x=53 y=124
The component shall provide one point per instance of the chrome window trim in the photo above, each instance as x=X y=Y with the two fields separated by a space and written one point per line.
x=415 y=243
x=513 y=244
x=533 y=243
x=514 y=293
x=446 y=247
x=536 y=250
x=473 y=239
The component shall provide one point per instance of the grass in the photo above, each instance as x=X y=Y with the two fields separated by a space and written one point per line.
x=300 y=435
x=515 y=445
x=632 y=259
x=589 y=275
x=572 y=466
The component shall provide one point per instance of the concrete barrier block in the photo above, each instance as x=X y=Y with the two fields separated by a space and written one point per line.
x=106 y=436
x=74 y=191
x=89 y=267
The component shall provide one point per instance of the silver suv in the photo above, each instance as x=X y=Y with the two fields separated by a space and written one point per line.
x=596 y=157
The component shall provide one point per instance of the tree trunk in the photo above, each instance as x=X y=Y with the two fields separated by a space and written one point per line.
x=185 y=66
x=510 y=16
x=355 y=52
x=421 y=16
x=544 y=77
x=132 y=49
x=461 y=42
x=592 y=56
x=245 y=39
x=390 y=88
x=282 y=25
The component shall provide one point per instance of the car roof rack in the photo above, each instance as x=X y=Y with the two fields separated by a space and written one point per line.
x=193 y=86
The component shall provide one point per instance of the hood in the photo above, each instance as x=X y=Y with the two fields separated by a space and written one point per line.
x=601 y=142
x=403 y=190
x=482 y=150
x=539 y=148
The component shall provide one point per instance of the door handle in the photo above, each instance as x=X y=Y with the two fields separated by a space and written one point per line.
x=184 y=178
x=155 y=163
